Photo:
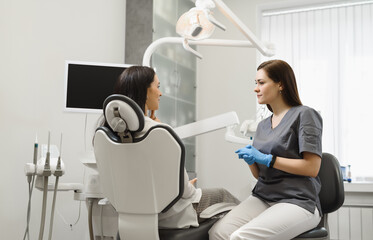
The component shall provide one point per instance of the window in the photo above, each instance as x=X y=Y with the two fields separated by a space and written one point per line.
x=330 y=48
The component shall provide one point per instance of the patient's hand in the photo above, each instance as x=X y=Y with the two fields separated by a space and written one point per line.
x=193 y=181
x=152 y=116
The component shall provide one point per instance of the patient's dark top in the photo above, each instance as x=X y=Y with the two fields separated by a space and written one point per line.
x=299 y=131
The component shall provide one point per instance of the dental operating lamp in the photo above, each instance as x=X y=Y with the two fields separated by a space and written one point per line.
x=198 y=24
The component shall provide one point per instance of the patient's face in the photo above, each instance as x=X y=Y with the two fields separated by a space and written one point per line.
x=153 y=95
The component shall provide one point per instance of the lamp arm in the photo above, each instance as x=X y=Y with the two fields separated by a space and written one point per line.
x=154 y=45
x=179 y=40
x=189 y=49
x=244 y=29
x=213 y=20
x=266 y=49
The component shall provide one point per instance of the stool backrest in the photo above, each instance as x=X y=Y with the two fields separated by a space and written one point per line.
x=332 y=189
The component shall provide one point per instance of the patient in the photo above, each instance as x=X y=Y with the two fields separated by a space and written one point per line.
x=141 y=84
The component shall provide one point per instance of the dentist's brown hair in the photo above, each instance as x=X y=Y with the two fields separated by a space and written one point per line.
x=280 y=72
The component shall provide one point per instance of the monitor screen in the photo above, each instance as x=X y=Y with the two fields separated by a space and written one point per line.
x=88 y=84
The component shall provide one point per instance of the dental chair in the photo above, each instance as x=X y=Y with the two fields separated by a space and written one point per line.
x=141 y=177
x=331 y=196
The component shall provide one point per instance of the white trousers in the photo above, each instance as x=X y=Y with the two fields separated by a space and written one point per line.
x=255 y=219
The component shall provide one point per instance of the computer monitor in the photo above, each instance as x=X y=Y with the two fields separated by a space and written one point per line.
x=88 y=84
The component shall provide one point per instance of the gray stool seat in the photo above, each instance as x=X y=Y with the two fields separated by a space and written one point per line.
x=316 y=233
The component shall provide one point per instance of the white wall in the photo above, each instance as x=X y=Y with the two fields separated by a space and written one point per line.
x=36 y=37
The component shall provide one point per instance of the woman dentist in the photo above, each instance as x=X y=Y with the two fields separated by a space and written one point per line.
x=285 y=158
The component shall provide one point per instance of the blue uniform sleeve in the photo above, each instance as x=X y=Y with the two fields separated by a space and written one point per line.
x=310 y=132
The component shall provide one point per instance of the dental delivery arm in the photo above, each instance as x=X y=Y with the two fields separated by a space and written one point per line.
x=227 y=120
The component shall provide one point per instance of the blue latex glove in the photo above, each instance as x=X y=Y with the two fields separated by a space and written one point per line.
x=251 y=155
x=248 y=159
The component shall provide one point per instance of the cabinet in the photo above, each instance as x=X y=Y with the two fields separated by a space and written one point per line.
x=176 y=70
x=354 y=220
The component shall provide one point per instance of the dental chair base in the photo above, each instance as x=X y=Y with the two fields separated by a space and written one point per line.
x=133 y=226
x=200 y=233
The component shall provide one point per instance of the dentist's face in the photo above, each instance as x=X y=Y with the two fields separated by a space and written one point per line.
x=153 y=95
x=267 y=91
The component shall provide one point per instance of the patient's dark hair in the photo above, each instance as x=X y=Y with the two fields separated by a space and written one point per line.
x=280 y=71
x=134 y=82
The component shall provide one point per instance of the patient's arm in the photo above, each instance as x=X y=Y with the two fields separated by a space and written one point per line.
x=193 y=181
x=189 y=189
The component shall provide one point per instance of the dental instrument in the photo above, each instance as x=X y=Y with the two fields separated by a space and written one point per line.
x=46 y=173
x=30 y=173
x=36 y=146
x=38 y=173
x=58 y=173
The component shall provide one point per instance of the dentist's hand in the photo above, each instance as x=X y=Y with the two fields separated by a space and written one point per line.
x=251 y=155
x=248 y=159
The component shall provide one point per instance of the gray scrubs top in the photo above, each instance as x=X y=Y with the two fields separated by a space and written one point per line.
x=299 y=131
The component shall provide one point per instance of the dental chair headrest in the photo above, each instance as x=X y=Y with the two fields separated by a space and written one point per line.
x=123 y=115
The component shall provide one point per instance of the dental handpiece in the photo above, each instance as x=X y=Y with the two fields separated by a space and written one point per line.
x=47 y=158
x=36 y=145
x=59 y=157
